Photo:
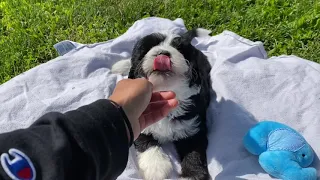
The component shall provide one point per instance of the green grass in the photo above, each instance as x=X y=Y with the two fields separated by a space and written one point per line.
x=30 y=28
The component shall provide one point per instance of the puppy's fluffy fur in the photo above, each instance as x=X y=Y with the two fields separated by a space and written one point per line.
x=185 y=126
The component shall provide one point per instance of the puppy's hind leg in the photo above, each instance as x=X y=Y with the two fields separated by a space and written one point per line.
x=192 y=152
x=153 y=163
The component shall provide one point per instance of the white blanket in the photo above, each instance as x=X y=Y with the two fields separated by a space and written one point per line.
x=249 y=88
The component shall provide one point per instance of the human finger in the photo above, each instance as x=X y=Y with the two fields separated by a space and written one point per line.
x=154 y=106
x=164 y=95
x=157 y=112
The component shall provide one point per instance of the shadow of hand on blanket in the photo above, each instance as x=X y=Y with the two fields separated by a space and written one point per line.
x=227 y=157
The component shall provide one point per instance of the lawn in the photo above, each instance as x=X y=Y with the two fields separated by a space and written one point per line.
x=30 y=28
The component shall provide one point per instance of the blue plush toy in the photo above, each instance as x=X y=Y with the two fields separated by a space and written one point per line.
x=283 y=152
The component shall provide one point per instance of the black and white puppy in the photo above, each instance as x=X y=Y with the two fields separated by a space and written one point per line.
x=170 y=62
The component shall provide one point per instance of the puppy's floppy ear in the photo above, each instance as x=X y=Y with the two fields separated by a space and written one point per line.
x=197 y=32
x=204 y=69
x=135 y=59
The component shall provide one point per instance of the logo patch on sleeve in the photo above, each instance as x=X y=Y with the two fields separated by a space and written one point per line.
x=20 y=167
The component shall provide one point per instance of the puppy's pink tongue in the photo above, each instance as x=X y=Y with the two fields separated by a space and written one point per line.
x=162 y=63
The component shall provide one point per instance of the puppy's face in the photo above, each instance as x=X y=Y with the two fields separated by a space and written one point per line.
x=169 y=61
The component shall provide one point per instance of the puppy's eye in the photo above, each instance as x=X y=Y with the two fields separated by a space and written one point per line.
x=303 y=155
x=176 y=42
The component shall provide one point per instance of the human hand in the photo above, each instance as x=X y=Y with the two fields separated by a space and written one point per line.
x=142 y=106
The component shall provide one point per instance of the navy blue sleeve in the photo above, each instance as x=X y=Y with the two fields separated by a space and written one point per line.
x=88 y=143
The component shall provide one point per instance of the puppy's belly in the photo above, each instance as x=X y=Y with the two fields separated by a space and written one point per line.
x=167 y=130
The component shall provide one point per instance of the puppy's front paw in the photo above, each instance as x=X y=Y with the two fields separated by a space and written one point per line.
x=154 y=164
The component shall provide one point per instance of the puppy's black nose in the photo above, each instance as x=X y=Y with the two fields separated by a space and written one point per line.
x=167 y=53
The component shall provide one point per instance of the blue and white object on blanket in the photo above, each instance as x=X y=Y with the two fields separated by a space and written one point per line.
x=283 y=152
x=248 y=86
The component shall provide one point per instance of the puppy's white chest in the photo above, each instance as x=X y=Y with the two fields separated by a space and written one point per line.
x=167 y=130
